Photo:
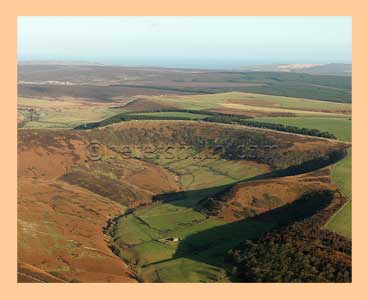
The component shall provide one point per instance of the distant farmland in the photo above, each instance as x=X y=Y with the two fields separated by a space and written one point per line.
x=340 y=127
x=266 y=103
x=113 y=81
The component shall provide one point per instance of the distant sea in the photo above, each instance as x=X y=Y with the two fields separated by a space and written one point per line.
x=207 y=63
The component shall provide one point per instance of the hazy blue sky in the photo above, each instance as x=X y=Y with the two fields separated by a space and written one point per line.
x=186 y=41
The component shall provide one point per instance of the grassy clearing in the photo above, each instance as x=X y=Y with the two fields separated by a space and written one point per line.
x=341 y=222
x=340 y=127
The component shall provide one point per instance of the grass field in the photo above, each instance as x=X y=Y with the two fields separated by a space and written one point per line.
x=342 y=221
x=342 y=175
x=180 y=115
x=248 y=101
x=198 y=171
x=340 y=127
x=62 y=114
x=265 y=109
x=43 y=103
x=199 y=254
x=143 y=230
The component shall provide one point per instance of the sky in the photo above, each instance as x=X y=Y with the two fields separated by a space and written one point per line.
x=186 y=41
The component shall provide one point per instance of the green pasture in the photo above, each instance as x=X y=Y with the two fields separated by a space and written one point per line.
x=340 y=127
x=341 y=222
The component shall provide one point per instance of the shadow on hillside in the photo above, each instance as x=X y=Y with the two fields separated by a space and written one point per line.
x=192 y=197
x=211 y=246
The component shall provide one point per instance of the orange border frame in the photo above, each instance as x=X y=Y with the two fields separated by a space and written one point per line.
x=177 y=291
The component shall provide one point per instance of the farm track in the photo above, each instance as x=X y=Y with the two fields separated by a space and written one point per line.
x=31 y=277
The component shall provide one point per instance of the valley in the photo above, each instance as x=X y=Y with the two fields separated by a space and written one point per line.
x=161 y=175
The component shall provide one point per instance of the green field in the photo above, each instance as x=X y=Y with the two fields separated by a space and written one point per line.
x=180 y=115
x=341 y=222
x=70 y=118
x=44 y=103
x=342 y=174
x=62 y=113
x=248 y=101
x=198 y=170
x=198 y=256
x=340 y=127
x=140 y=233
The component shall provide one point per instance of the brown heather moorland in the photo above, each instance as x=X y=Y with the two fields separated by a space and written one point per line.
x=65 y=198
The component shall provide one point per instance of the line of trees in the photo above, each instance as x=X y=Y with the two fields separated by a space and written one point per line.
x=278 y=127
x=214 y=117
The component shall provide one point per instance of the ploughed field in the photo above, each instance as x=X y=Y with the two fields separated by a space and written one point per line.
x=175 y=201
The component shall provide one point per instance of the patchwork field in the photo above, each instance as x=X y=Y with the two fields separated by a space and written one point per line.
x=257 y=102
x=71 y=112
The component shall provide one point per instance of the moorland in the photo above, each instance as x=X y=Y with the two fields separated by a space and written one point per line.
x=182 y=175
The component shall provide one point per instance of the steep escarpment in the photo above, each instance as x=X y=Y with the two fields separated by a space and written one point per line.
x=278 y=150
x=248 y=199
x=65 y=199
